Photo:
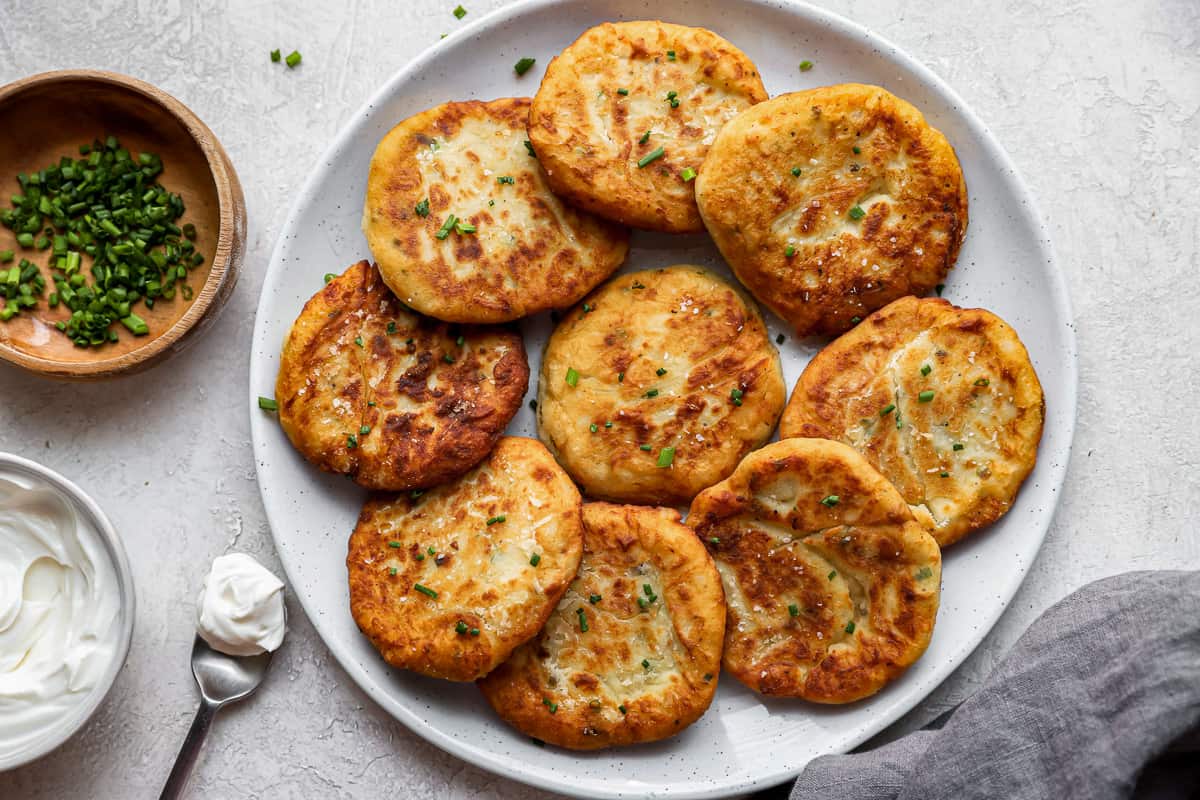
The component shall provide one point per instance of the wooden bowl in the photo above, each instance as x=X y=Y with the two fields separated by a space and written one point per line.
x=46 y=116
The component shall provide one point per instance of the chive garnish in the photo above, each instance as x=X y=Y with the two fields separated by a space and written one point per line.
x=796 y=172
x=509 y=179
x=958 y=445
x=620 y=377
x=650 y=157
x=647 y=448
x=449 y=359
x=391 y=327
x=645 y=138
x=535 y=559
x=364 y=430
x=926 y=369
x=923 y=573
x=943 y=474
x=460 y=627
x=623 y=92
x=645 y=663
x=889 y=408
x=351 y=441
x=833 y=575
x=850 y=626
x=666 y=457
x=857 y=212
x=583 y=623
x=293 y=59
x=422 y=208
x=276 y=56
x=857 y=149
x=593 y=599
x=794 y=610
x=392 y=571
x=670 y=55
x=735 y=396
x=572 y=377
x=608 y=424
x=358 y=340
x=395 y=545
x=529 y=149
x=622 y=709
x=474 y=631
x=714 y=540
x=523 y=65
x=660 y=371
x=939 y=289
x=447 y=226
x=593 y=427
x=496 y=520
x=789 y=251
x=460 y=12
x=925 y=396
x=688 y=174
x=464 y=227
x=651 y=393
x=830 y=501
x=806 y=65
x=268 y=404
x=982 y=382
x=425 y=590
x=647 y=590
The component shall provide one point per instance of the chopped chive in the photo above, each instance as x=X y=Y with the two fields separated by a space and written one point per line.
x=358 y=341
x=855 y=320
x=329 y=276
x=593 y=427
x=645 y=447
x=645 y=138
x=572 y=377
x=622 y=709
x=608 y=424
x=670 y=55
x=620 y=377
x=789 y=251
x=647 y=589
x=623 y=92
x=925 y=396
x=806 y=65
x=460 y=627
x=425 y=590
x=276 y=57
x=460 y=340
x=833 y=575
x=926 y=369
x=645 y=663
x=651 y=393
x=735 y=396
x=794 y=610
x=431 y=550
x=449 y=359
x=364 y=430
x=583 y=623
x=136 y=325
x=268 y=404
x=796 y=172
x=460 y=12
x=393 y=571
x=857 y=149
x=939 y=289
x=831 y=500
x=293 y=59
x=415 y=494
x=850 y=626
x=509 y=179
x=666 y=457
x=593 y=599
x=553 y=708
x=958 y=445
x=447 y=226
x=650 y=157
x=422 y=208
x=474 y=631
x=391 y=327
x=464 y=227
x=523 y=65
x=587 y=308
x=714 y=540
x=924 y=573
x=529 y=149
x=688 y=174
x=496 y=520
x=857 y=212
x=943 y=474
x=420 y=556
x=395 y=545
x=6 y=256
x=889 y=408
x=982 y=382
x=351 y=441
x=660 y=371
x=535 y=559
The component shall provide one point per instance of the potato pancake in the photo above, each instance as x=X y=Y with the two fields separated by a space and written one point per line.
x=831 y=203
x=450 y=581
x=625 y=116
x=942 y=400
x=631 y=653
x=832 y=586
x=464 y=227
x=395 y=400
x=657 y=385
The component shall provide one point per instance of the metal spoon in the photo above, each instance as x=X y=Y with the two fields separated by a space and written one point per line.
x=222 y=679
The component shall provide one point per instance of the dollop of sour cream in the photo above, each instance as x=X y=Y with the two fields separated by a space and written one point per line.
x=241 y=607
x=60 y=605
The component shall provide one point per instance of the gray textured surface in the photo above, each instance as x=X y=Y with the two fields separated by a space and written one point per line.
x=1097 y=103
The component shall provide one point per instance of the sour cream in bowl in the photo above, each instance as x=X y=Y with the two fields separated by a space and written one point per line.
x=66 y=609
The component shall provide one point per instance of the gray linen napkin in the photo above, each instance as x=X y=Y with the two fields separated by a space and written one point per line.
x=1099 y=699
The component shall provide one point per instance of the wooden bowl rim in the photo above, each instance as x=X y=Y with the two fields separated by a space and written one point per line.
x=229 y=211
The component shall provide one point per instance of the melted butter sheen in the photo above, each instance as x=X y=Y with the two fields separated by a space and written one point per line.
x=59 y=610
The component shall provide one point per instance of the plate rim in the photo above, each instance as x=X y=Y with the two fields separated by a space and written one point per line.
x=544 y=778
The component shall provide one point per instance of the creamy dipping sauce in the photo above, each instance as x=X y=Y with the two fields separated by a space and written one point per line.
x=60 y=606
x=241 y=607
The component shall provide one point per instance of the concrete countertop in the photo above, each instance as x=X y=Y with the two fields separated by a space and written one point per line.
x=1098 y=103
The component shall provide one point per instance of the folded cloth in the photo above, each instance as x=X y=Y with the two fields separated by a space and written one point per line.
x=1099 y=699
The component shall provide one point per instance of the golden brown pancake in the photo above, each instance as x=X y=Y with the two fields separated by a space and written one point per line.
x=448 y=583
x=831 y=584
x=942 y=400
x=631 y=653
x=831 y=203
x=464 y=226
x=395 y=400
x=620 y=93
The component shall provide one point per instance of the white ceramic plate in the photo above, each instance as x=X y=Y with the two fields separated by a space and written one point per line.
x=743 y=741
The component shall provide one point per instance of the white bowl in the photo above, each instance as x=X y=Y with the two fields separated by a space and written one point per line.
x=69 y=724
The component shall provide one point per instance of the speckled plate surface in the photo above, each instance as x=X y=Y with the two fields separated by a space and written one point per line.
x=743 y=741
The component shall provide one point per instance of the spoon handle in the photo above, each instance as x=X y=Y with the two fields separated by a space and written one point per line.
x=189 y=754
